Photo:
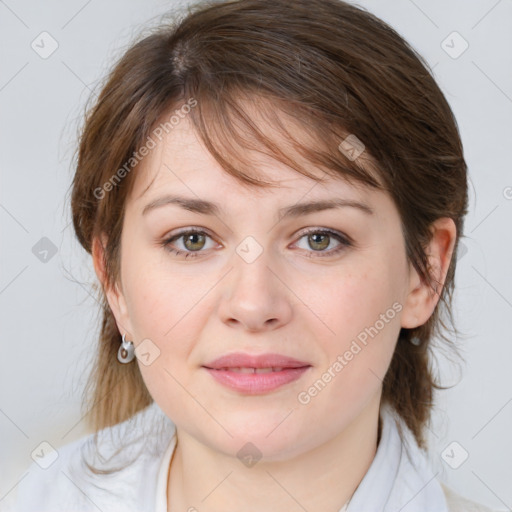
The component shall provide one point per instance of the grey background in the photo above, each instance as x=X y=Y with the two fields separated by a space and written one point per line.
x=47 y=310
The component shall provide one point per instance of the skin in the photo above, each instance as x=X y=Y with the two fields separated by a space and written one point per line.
x=310 y=308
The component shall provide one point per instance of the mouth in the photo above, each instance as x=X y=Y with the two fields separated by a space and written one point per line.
x=256 y=375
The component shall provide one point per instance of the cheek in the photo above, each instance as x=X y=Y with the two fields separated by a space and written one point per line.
x=363 y=314
x=351 y=302
x=160 y=310
x=171 y=309
x=157 y=297
x=362 y=310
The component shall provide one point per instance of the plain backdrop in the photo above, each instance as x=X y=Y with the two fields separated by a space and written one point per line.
x=47 y=306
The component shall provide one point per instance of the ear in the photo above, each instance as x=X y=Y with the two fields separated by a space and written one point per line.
x=113 y=292
x=421 y=299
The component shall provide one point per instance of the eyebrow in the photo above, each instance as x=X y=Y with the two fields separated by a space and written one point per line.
x=209 y=208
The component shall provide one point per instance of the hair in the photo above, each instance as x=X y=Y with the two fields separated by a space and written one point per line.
x=330 y=67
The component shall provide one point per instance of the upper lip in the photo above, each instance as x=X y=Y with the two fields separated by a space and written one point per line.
x=240 y=360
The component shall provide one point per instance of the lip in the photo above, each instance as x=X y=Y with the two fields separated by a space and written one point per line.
x=226 y=371
x=241 y=360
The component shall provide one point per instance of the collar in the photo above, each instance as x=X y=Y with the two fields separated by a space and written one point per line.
x=399 y=477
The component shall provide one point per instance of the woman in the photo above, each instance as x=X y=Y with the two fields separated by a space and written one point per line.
x=272 y=193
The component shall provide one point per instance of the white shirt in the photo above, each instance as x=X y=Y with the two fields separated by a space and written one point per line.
x=399 y=477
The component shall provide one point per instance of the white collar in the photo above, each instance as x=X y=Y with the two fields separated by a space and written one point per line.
x=399 y=477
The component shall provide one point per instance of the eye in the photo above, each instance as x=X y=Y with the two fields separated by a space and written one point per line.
x=192 y=240
x=320 y=239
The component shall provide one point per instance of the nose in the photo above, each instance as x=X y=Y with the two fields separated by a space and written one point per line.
x=254 y=296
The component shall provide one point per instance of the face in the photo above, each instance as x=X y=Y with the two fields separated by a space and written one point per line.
x=327 y=287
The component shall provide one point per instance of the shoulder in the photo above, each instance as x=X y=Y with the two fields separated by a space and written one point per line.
x=48 y=480
x=124 y=460
x=457 y=503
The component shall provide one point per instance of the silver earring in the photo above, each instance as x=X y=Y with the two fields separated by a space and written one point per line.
x=126 y=351
x=415 y=340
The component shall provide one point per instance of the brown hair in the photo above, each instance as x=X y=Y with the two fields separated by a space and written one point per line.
x=336 y=70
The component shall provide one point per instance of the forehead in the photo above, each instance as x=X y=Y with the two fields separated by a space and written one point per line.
x=180 y=161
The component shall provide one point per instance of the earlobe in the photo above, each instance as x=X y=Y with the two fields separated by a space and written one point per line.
x=422 y=298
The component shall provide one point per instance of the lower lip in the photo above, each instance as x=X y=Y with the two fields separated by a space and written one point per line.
x=257 y=383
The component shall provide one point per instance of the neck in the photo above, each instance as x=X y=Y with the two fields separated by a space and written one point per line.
x=204 y=479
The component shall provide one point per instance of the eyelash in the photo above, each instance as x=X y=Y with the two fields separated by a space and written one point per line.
x=344 y=243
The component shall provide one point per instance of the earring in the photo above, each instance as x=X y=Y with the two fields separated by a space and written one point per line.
x=126 y=351
x=415 y=340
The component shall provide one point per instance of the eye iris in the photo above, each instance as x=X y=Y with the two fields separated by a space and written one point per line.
x=320 y=244
x=192 y=237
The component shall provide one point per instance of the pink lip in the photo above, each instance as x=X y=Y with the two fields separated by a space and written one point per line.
x=240 y=360
x=221 y=370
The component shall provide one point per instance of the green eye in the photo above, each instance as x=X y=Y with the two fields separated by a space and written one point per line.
x=318 y=240
x=194 y=241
